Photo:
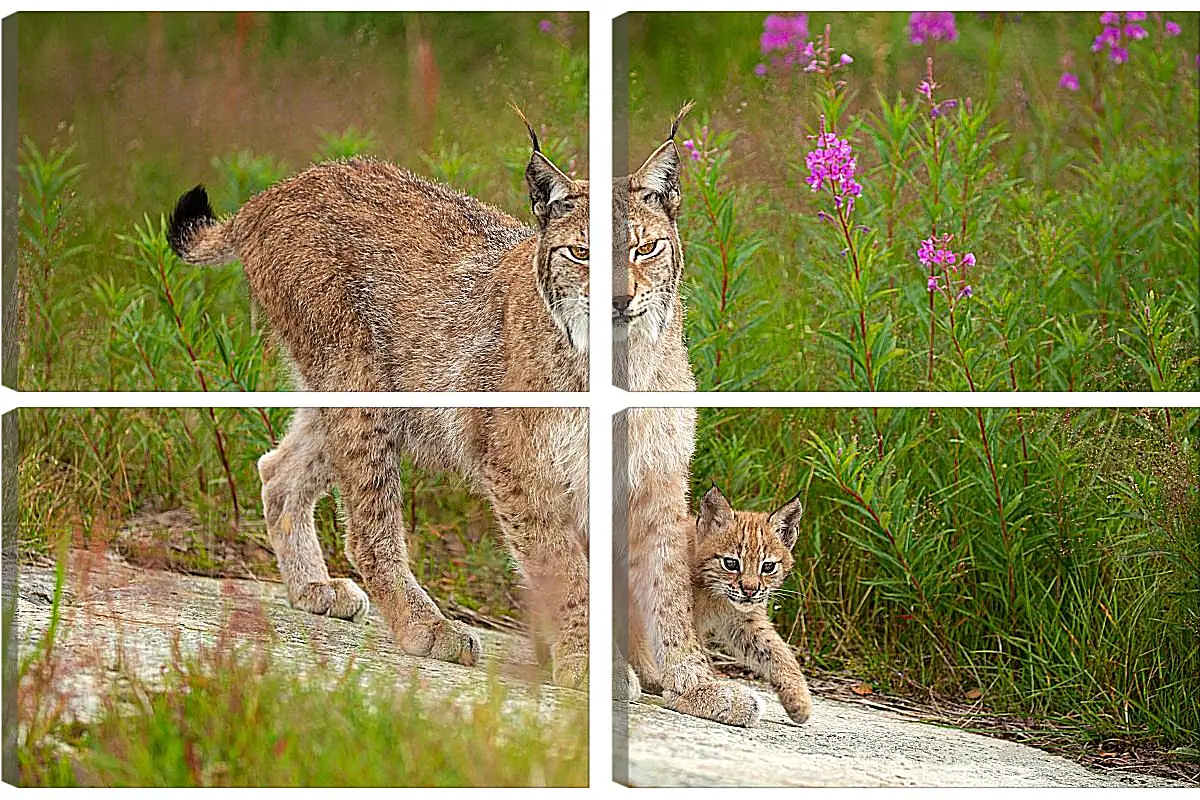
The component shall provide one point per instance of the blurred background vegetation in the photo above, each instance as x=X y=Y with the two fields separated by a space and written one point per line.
x=1044 y=578
x=1081 y=206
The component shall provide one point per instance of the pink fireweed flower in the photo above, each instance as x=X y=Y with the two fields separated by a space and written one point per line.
x=760 y=70
x=1135 y=32
x=846 y=60
x=932 y=283
x=1171 y=28
x=932 y=26
x=545 y=26
x=1069 y=81
x=1119 y=55
x=969 y=259
x=783 y=32
x=831 y=165
x=1110 y=18
x=1135 y=16
x=692 y=151
x=965 y=292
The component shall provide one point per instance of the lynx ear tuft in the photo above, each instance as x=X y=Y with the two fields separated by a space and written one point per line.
x=533 y=136
x=683 y=112
x=786 y=521
x=715 y=511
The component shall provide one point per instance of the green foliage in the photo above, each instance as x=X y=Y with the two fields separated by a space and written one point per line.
x=1048 y=558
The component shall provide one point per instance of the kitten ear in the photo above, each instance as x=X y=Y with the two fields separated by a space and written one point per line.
x=715 y=511
x=660 y=174
x=786 y=521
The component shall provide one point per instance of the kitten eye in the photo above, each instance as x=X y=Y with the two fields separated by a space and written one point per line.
x=650 y=248
x=577 y=254
x=731 y=564
x=768 y=567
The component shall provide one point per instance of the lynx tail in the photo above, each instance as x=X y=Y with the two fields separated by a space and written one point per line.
x=194 y=233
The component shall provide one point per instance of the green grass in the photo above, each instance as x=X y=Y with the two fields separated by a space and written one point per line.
x=1080 y=608
x=1081 y=207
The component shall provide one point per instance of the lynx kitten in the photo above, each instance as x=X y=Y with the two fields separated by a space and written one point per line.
x=738 y=559
x=374 y=279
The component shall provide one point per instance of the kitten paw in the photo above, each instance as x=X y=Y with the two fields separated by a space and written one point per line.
x=720 y=701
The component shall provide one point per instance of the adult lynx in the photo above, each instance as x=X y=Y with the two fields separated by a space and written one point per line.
x=650 y=355
x=738 y=559
x=374 y=279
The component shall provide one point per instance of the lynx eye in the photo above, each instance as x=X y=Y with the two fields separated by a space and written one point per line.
x=768 y=567
x=731 y=564
x=577 y=254
x=650 y=248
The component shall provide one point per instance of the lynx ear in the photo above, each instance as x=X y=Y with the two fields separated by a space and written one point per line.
x=660 y=175
x=786 y=521
x=715 y=512
x=547 y=185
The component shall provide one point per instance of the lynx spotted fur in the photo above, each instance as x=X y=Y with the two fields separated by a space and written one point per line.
x=374 y=279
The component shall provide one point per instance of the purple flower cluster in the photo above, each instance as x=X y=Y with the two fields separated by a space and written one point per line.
x=785 y=40
x=932 y=25
x=831 y=166
x=944 y=265
x=693 y=152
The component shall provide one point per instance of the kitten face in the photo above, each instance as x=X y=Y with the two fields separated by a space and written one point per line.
x=742 y=556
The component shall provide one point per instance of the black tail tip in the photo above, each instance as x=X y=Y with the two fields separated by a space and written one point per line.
x=192 y=211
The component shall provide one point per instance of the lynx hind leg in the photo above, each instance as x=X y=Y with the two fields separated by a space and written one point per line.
x=294 y=477
x=539 y=526
x=720 y=701
x=363 y=445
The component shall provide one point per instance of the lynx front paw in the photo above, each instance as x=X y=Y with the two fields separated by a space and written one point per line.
x=571 y=671
x=340 y=598
x=455 y=643
x=721 y=701
x=633 y=690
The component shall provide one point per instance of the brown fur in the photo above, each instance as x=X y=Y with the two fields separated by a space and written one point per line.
x=649 y=354
x=374 y=279
x=738 y=559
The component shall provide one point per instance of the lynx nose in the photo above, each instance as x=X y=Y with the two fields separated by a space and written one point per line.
x=621 y=303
